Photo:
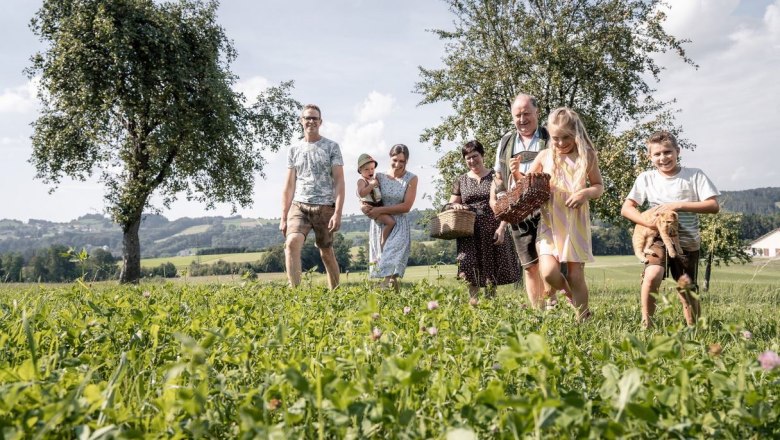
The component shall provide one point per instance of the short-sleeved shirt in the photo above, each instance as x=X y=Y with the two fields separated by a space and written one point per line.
x=689 y=185
x=518 y=146
x=313 y=164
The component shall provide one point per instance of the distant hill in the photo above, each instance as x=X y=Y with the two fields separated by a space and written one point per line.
x=161 y=237
x=752 y=201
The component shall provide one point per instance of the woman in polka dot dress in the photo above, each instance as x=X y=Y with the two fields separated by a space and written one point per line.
x=486 y=259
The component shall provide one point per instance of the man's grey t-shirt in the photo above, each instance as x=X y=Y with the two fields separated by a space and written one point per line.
x=313 y=164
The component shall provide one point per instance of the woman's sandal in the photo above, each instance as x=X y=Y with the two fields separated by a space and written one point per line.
x=395 y=285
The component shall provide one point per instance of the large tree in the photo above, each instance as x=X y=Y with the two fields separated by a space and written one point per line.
x=595 y=56
x=139 y=91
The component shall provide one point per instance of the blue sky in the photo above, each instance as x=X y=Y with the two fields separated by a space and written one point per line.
x=358 y=60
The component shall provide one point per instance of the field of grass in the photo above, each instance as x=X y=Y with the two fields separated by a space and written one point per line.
x=230 y=358
x=183 y=262
x=606 y=273
x=197 y=229
x=245 y=222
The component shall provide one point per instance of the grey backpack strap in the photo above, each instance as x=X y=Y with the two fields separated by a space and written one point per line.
x=505 y=153
x=544 y=138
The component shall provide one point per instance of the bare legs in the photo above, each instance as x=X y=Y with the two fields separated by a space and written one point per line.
x=651 y=283
x=388 y=222
x=573 y=284
x=534 y=286
x=292 y=258
x=331 y=266
x=691 y=304
x=490 y=291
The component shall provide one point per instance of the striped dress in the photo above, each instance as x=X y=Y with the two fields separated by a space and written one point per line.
x=564 y=232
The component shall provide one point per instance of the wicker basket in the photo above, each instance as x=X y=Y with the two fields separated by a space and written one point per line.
x=530 y=193
x=453 y=223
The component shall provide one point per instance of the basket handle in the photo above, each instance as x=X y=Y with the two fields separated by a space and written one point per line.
x=448 y=207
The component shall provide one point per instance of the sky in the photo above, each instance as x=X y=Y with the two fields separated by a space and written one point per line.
x=358 y=60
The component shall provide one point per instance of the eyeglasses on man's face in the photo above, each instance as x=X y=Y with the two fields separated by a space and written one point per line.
x=311 y=118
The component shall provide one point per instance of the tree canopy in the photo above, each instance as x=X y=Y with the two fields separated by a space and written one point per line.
x=140 y=93
x=595 y=56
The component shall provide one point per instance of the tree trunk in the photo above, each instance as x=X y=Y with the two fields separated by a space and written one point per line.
x=707 y=271
x=131 y=253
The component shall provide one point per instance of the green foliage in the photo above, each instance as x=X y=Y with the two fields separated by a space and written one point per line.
x=360 y=262
x=433 y=253
x=140 y=91
x=720 y=238
x=756 y=225
x=594 y=56
x=164 y=270
x=265 y=361
x=611 y=240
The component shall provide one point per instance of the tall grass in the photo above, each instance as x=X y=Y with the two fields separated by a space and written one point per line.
x=256 y=359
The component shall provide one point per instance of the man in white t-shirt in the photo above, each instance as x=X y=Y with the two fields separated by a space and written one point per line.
x=687 y=191
x=313 y=197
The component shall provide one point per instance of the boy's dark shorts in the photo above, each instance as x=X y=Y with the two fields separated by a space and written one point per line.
x=303 y=217
x=687 y=263
x=524 y=236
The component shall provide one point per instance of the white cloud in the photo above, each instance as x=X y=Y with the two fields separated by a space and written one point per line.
x=364 y=138
x=376 y=107
x=707 y=23
x=364 y=134
x=728 y=102
x=252 y=87
x=20 y=99
x=772 y=20
x=332 y=130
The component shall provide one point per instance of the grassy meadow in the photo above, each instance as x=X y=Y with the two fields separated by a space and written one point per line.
x=225 y=357
x=184 y=262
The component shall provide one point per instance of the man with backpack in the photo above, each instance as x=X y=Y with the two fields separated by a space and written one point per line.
x=517 y=150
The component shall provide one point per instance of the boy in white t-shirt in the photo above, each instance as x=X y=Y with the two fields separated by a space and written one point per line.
x=671 y=187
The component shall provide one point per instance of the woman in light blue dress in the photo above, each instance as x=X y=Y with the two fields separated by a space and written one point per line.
x=399 y=189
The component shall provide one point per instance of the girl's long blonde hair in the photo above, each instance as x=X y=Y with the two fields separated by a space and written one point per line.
x=569 y=122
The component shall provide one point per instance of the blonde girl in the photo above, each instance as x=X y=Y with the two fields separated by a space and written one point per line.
x=564 y=229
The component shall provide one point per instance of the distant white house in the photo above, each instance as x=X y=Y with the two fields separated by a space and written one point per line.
x=767 y=245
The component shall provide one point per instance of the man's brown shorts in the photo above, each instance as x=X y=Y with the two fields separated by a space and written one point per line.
x=303 y=217
x=687 y=263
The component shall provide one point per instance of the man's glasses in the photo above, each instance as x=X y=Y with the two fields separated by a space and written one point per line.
x=311 y=118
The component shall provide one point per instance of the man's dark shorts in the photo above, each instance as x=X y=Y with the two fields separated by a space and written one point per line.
x=524 y=236
x=688 y=263
x=303 y=217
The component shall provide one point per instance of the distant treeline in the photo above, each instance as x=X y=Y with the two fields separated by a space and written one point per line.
x=59 y=264
x=752 y=201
